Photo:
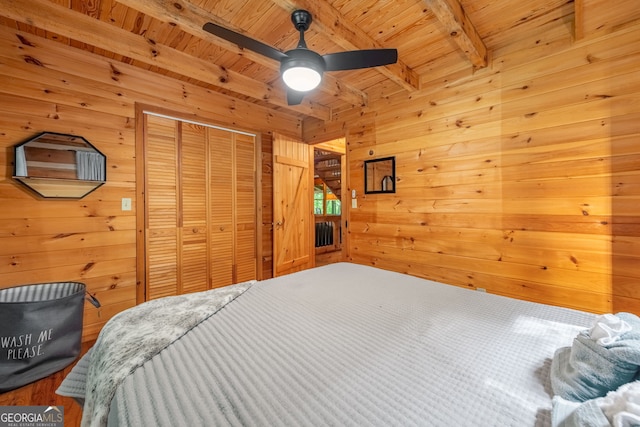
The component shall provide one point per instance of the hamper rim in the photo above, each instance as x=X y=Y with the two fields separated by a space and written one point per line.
x=82 y=288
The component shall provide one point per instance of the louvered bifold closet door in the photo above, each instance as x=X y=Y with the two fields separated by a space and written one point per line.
x=233 y=207
x=245 y=207
x=162 y=206
x=200 y=205
x=176 y=201
x=194 y=268
x=221 y=205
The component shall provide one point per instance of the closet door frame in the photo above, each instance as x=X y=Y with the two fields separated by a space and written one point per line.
x=141 y=207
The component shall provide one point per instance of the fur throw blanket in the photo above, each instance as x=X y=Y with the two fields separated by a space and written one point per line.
x=134 y=336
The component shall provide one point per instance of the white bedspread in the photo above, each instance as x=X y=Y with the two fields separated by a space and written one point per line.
x=348 y=344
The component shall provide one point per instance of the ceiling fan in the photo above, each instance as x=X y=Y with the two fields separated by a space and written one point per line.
x=301 y=68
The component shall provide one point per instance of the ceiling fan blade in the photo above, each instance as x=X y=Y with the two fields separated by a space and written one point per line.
x=244 y=41
x=294 y=97
x=356 y=59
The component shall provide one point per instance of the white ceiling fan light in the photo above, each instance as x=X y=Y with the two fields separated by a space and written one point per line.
x=302 y=69
x=301 y=79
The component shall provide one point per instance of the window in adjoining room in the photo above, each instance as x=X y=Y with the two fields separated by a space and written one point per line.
x=324 y=201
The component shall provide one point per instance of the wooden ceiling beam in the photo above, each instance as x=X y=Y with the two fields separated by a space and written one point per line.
x=333 y=25
x=453 y=17
x=77 y=26
x=190 y=18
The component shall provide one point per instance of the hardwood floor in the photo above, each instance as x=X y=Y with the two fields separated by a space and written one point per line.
x=42 y=392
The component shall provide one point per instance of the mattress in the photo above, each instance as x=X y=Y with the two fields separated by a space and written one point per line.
x=348 y=344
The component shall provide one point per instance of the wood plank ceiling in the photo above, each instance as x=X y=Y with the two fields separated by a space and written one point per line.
x=435 y=39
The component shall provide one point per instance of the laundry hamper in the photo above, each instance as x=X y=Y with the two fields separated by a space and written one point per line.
x=40 y=330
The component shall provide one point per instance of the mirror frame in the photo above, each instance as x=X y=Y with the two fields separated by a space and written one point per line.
x=378 y=174
x=57 y=167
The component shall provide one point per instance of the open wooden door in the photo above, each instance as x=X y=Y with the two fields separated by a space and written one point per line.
x=293 y=247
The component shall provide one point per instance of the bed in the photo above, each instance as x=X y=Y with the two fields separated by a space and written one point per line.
x=343 y=344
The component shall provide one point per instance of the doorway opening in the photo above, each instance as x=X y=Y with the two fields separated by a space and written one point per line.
x=329 y=163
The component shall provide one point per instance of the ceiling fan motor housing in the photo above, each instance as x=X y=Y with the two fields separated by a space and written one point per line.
x=301 y=57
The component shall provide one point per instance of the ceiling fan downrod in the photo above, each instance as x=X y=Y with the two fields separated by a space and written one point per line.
x=301 y=21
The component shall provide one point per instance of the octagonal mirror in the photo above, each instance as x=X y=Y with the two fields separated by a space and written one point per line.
x=56 y=165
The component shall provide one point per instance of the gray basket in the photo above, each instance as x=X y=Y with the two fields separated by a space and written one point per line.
x=40 y=330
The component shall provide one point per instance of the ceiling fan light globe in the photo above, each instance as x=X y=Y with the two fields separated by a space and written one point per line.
x=301 y=79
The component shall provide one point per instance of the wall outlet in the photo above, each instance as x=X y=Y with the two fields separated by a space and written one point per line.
x=126 y=204
x=354 y=203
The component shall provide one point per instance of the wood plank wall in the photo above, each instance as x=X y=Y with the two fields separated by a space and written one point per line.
x=522 y=178
x=49 y=86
